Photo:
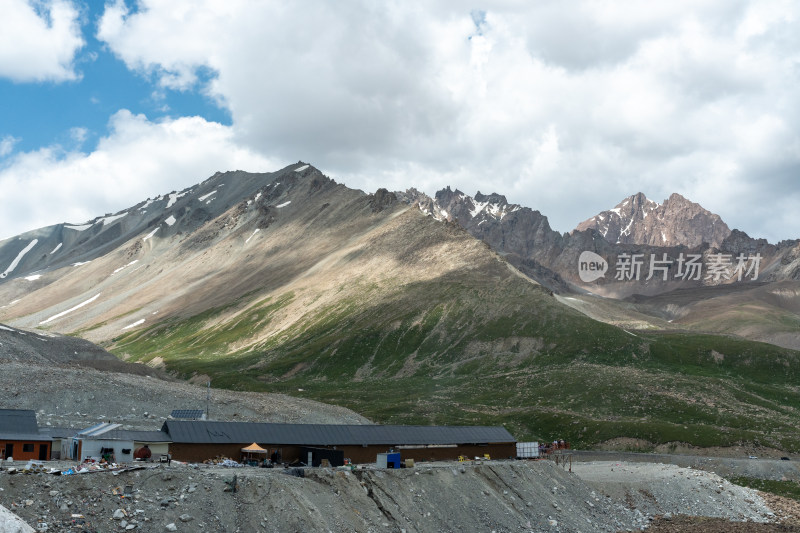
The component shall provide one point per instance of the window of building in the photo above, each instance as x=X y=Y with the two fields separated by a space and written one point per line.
x=27 y=448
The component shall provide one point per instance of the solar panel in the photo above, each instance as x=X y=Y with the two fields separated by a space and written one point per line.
x=187 y=414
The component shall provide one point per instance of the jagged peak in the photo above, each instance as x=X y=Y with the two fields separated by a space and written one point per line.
x=639 y=220
x=493 y=198
x=677 y=197
x=638 y=200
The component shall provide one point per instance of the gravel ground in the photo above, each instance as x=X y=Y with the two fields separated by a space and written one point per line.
x=72 y=396
x=662 y=489
x=431 y=497
x=499 y=496
x=761 y=468
x=71 y=382
x=695 y=524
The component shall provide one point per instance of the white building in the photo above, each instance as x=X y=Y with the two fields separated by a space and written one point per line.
x=116 y=445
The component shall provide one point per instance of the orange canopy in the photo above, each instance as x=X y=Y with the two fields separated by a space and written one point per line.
x=254 y=448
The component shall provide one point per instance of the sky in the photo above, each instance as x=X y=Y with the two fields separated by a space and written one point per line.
x=564 y=106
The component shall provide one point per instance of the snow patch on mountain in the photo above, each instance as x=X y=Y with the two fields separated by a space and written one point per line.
x=110 y=219
x=137 y=323
x=120 y=269
x=301 y=168
x=80 y=227
x=203 y=198
x=477 y=208
x=149 y=202
x=19 y=257
x=170 y=220
x=71 y=309
x=57 y=248
x=284 y=204
x=173 y=197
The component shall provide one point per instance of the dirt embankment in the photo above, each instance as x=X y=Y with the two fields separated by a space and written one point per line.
x=432 y=497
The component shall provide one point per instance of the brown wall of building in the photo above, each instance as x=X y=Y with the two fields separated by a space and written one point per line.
x=20 y=455
x=359 y=454
x=197 y=453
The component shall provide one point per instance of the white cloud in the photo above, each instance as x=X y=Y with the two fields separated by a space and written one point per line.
x=78 y=134
x=39 y=40
x=7 y=145
x=138 y=159
x=564 y=107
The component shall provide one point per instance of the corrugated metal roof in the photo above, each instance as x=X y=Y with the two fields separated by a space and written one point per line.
x=28 y=437
x=99 y=429
x=58 y=433
x=330 y=434
x=18 y=421
x=128 y=435
x=114 y=434
x=137 y=435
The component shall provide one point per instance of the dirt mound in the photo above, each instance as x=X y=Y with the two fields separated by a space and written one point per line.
x=79 y=397
x=664 y=489
x=447 y=496
x=502 y=496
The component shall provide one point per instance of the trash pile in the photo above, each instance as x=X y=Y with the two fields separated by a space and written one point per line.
x=87 y=467
x=221 y=460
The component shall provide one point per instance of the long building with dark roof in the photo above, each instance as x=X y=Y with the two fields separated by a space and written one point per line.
x=200 y=440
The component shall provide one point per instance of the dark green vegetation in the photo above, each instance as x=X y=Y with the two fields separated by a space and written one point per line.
x=462 y=351
x=787 y=489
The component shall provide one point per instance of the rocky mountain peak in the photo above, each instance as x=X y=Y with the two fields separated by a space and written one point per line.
x=494 y=198
x=675 y=222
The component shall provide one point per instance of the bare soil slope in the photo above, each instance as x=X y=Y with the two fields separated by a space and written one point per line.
x=437 y=497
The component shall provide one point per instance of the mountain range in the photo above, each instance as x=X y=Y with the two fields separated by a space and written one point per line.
x=762 y=305
x=412 y=309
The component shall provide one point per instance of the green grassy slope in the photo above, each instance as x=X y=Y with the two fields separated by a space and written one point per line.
x=486 y=348
x=362 y=301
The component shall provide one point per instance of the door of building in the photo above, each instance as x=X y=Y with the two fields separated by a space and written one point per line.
x=9 y=449
x=43 y=452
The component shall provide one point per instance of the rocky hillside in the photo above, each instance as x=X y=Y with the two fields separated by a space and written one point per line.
x=495 y=496
x=71 y=382
x=643 y=248
x=675 y=222
x=637 y=226
x=308 y=288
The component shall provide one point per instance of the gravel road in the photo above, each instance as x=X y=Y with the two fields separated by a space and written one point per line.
x=761 y=468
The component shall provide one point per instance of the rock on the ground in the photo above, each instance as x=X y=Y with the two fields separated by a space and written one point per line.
x=11 y=523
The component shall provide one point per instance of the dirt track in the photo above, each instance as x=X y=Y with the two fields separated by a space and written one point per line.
x=761 y=468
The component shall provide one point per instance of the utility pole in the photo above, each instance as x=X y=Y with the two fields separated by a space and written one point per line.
x=208 y=398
